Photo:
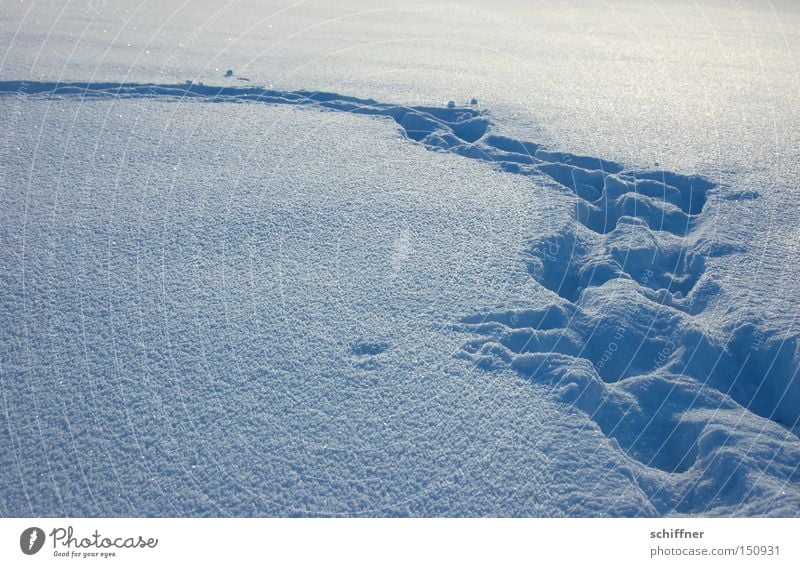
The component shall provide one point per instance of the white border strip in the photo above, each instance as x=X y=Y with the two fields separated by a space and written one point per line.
x=388 y=542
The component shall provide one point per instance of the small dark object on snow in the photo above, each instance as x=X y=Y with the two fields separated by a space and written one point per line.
x=229 y=73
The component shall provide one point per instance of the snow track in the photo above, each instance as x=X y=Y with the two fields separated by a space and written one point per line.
x=622 y=340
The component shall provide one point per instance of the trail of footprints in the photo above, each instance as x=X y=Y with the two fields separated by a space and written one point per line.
x=621 y=343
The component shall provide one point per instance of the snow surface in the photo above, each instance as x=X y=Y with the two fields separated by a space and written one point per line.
x=235 y=299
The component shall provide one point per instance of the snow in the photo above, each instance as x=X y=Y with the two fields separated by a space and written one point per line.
x=321 y=285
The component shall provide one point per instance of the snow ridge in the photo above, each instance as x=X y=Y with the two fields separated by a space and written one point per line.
x=621 y=341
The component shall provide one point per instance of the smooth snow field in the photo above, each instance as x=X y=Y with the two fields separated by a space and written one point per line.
x=399 y=259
